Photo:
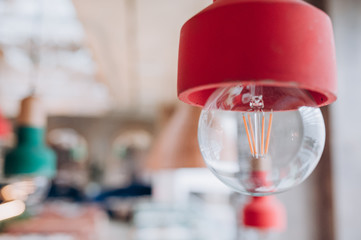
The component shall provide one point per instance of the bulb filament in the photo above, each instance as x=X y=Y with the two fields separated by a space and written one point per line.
x=268 y=132
x=252 y=132
x=247 y=132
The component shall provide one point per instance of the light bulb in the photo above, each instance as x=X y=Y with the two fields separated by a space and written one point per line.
x=261 y=140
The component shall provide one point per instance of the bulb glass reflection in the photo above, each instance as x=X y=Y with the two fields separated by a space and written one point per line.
x=261 y=140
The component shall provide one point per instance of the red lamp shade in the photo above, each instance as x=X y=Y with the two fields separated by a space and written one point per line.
x=273 y=43
x=264 y=213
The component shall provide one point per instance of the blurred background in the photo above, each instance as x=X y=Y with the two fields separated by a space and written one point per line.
x=128 y=164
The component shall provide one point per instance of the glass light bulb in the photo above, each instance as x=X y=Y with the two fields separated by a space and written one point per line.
x=261 y=140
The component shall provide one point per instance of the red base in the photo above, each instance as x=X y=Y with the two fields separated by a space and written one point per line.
x=265 y=213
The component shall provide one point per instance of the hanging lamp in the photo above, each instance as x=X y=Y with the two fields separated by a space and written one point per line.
x=30 y=157
x=260 y=69
x=176 y=146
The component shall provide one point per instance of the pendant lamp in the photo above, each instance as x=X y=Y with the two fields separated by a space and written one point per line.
x=176 y=146
x=260 y=69
x=30 y=157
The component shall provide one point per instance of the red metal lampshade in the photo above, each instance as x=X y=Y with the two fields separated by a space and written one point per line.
x=274 y=43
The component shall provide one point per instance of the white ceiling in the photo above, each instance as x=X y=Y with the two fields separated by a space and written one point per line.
x=120 y=57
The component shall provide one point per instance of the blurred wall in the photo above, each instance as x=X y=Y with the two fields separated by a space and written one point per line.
x=346 y=15
x=301 y=204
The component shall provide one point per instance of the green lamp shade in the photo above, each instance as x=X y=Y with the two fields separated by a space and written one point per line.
x=31 y=157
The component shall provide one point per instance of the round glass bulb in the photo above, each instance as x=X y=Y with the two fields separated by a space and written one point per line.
x=261 y=140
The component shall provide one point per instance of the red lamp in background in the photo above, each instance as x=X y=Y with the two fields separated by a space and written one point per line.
x=264 y=216
x=260 y=69
x=5 y=126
